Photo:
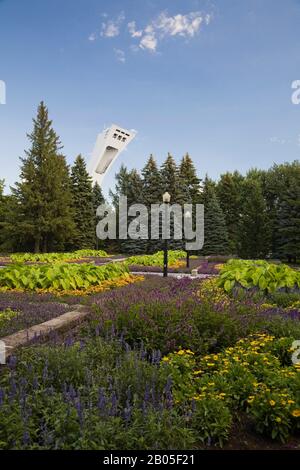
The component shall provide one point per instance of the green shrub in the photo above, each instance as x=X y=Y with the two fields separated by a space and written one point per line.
x=55 y=257
x=157 y=259
x=58 y=276
x=262 y=275
x=212 y=420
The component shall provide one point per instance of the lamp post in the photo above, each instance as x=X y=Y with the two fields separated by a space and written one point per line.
x=166 y=200
x=187 y=215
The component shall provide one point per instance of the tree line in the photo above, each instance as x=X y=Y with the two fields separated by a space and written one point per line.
x=53 y=207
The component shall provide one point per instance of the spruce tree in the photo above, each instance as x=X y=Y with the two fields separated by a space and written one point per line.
x=215 y=231
x=152 y=194
x=254 y=229
x=134 y=196
x=170 y=180
x=171 y=183
x=81 y=185
x=289 y=223
x=229 y=193
x=45 y=214
x=190 y=183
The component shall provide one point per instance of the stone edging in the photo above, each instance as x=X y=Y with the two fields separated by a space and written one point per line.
x=23 y=337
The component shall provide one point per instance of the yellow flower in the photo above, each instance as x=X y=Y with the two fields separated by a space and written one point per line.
x=181 y=352
x=198 y=372
x=166 y=359
x=296 y=413
x=291 y=402
x=278 y=420
x=272 y=402
x=188 y=351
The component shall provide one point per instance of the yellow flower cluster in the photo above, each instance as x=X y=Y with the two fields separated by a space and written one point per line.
x=210 y=290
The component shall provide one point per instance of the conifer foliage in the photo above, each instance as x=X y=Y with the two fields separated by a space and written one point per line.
x=44 y=212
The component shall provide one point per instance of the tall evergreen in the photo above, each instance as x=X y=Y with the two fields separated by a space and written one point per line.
x=171 y=183
x=170 y=180
x=215 y=231
x=190 y=183
x=152 y=194
x=81 y=185
x=254 y=228
x=44 y=197
x=229 y=192
x=289 y=223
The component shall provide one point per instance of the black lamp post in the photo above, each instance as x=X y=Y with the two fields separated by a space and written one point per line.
x=187 y=215
x=166 y=201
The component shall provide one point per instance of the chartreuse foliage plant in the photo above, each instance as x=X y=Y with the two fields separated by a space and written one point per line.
x=60 y=277
x=255 y=375
x=157 y=259
x=56 y=257
x=267 y=277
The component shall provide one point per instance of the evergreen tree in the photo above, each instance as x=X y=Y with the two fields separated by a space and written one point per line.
x=81 y=185
x=289 y=223
x=134 y=196
x=254 y=230
x=229 y=193
x=170 y=180
x=190 y=183
x=171 y=183
x=152 y=194
x=215 y=231
x=152 y=185
x=45 y=214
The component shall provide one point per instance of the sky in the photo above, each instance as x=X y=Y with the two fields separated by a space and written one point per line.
x=212 y=78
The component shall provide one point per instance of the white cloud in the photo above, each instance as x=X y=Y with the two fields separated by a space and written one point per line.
x=120 y=55
x=111 y=28
x=132 y=30
x=161 y=27
x=149 y=41
x=167 y=26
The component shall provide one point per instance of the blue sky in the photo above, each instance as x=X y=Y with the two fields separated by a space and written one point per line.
x=209 y=77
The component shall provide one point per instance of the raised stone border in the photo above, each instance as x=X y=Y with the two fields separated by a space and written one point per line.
x=42 y=330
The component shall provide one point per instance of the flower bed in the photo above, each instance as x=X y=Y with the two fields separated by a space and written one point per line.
x=159 y=364
x=16 y=315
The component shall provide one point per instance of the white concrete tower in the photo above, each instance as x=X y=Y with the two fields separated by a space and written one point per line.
x=109 y=145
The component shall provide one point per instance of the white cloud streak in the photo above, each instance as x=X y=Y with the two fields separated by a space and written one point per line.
x=163 y=26
x=111 y=28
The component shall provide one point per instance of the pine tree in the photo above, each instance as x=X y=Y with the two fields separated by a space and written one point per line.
x=215 y=231
x=289 y=223
x=44 y=197
x=81 y=185
x=229 y=193
x=189 y=181
x=254 y=230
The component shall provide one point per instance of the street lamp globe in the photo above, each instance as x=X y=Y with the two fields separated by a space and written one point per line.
x=166 y=197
